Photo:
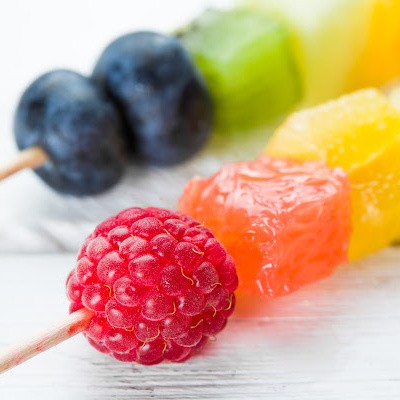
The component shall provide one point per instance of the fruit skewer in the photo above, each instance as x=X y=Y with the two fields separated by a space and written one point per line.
x=123 y=322
x=75 y=323
x=29 y=158
x=287 y=223
x=159 y=86
x=325 y=192
x=145 y=100
x=150 y=285
x=243 y=54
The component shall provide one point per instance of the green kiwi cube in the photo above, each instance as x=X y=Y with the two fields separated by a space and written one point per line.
x=247 y=62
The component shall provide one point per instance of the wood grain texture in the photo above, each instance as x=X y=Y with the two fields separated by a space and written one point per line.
x=336 y=339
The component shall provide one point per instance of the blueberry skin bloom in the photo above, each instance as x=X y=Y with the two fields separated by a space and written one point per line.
x=76 y=124
x=165 y=103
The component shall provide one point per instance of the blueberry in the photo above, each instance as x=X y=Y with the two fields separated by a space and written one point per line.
x=167 y=108
x=74 y=122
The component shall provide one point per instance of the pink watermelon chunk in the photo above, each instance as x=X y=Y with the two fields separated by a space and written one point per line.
x=285 y=223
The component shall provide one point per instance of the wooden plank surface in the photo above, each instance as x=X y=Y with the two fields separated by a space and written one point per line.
x=336 y=339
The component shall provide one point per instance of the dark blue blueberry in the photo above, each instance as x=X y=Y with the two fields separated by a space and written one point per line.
x=167 y=108
x=73 y=121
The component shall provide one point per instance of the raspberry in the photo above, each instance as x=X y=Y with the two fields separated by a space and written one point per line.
x=159 y=284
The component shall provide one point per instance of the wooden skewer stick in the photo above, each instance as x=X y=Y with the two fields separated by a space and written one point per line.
x=30 y=158
x=70 y=326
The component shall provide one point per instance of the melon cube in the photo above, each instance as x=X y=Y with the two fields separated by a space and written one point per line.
x=285 y=223
x=360 y=133
x=327 y=36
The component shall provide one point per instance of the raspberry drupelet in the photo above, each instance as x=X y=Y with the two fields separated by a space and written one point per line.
x=159 y=284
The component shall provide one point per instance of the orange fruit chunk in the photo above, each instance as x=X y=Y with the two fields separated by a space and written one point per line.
x=359 y=132
x=379 y=60
x=285 y=223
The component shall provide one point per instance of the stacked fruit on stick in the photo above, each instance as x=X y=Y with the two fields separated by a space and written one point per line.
x=324 y=192
x=156 y=98
x=145 y=100
x=153 y=285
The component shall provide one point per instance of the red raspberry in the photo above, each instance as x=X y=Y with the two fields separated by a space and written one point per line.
x=159 y=284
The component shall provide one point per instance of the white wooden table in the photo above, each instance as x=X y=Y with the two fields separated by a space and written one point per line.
x=336 y=339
